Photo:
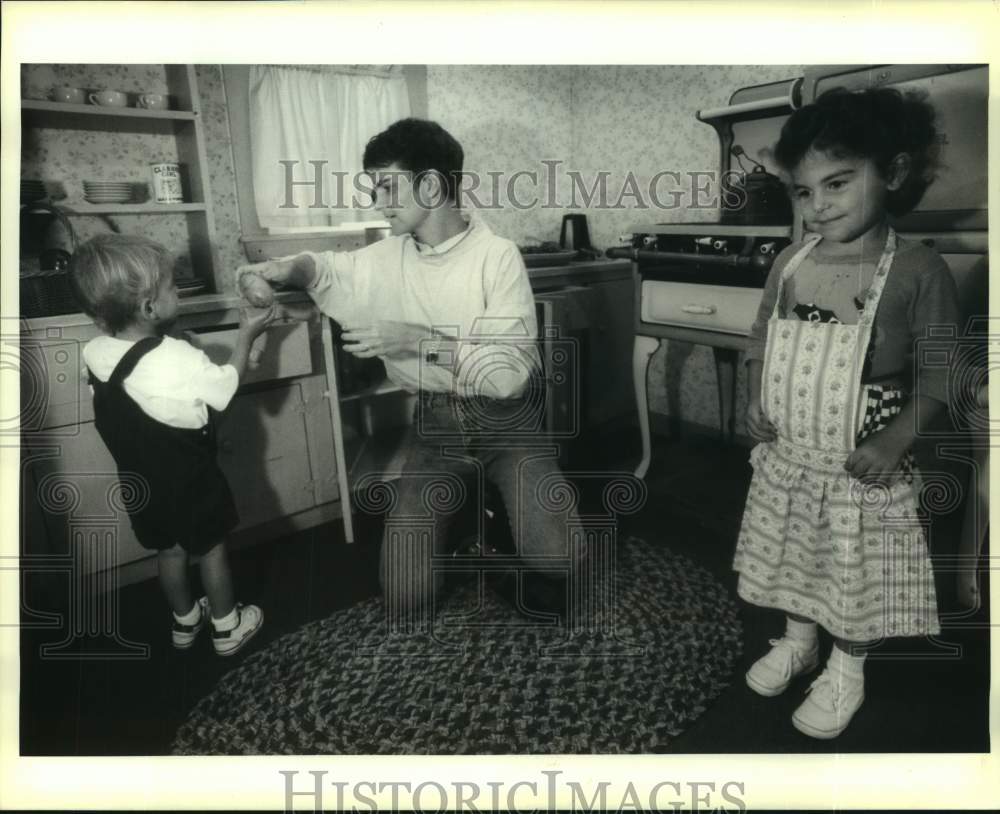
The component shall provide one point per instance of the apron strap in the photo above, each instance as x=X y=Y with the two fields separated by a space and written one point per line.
x=131 y=358
x=790 y=267
x=878 y=283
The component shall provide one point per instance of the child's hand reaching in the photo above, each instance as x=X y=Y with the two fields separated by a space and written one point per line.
x=253 y=332
x=758 y=425
x=254 y=321
x=257 y=348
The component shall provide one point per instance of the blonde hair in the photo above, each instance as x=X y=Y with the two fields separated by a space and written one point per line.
x=111 y=274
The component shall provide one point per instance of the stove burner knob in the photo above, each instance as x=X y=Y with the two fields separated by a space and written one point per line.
x=720 y=245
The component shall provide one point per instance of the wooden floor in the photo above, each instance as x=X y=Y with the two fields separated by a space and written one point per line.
x=922 y=696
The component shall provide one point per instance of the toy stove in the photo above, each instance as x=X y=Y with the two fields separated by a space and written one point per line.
x=706 y=277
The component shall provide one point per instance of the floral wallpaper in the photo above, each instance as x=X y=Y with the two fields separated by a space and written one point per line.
x=508 y=119
x=643 y=119
x=613 y=119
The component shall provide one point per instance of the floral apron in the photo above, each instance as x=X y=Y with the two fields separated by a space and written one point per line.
x=814 y=540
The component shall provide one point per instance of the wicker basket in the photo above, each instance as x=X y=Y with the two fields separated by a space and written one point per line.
x=47 y=294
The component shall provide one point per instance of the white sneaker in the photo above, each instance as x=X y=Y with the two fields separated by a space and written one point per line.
x=831 y=703
x=249 y=618
x=184 y=635
x=771 y=674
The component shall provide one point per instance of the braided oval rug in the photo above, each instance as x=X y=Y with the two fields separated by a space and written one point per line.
x=488 y=681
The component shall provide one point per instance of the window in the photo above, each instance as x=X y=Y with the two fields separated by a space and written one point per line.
x=315 y=119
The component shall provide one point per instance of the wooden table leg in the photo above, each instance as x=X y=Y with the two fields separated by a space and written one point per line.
x=333 y=396
x=644 y=348
x=725 y=371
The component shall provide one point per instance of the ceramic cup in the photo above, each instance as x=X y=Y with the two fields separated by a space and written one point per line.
x=152 y=101
x=67 y=95
x=108 y=98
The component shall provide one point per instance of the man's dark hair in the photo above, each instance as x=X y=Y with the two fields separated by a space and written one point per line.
x=418 y=146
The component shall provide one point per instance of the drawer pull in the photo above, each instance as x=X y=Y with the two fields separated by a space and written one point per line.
x=699 y=309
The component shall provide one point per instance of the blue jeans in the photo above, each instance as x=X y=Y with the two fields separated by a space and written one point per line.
x=454 y=447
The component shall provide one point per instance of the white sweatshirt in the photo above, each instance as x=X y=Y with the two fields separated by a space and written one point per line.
x=473 y=286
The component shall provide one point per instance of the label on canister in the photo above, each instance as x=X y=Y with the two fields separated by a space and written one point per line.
x=166 y=183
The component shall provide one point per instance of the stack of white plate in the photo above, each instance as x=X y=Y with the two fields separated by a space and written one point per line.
x=32 y=191
x=107 y=192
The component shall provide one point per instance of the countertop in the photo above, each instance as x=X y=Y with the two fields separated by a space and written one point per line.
x=204 y=303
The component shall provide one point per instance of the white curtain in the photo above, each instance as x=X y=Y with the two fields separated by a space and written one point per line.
x=309 y=115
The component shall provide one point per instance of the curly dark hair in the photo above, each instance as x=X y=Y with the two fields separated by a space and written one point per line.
x=878 y=124
x=418 y=146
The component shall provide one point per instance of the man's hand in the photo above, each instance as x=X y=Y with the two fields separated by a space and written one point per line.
x=878 y=457
x=298 y=271
x=758 y=425
x=384 y=338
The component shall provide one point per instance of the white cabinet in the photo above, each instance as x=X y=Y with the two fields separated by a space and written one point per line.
x=76 y=486
x=264 y=452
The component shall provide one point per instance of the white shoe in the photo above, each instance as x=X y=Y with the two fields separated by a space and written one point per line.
x=249 y=618
x=184 y=635
x=771 y=674
x=831 y=703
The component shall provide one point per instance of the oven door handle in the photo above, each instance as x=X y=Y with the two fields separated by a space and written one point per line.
x=703 y=310
x=754 y=261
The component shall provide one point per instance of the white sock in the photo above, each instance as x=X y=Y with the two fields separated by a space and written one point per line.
x=227 y=622
x=191 y=617
x=847 y=665
x=803 y=633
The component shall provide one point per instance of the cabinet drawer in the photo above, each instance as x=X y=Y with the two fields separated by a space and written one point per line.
x=287 y=353
x=726 y=309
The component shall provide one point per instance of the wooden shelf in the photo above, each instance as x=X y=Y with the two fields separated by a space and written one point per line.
x=182 y=126
x=60 y=116
x=132 y=209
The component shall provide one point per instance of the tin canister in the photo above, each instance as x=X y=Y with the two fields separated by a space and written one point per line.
x=166 y=183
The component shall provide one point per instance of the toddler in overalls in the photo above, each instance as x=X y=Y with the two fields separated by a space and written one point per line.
x=831 y=533
x=152 y=400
